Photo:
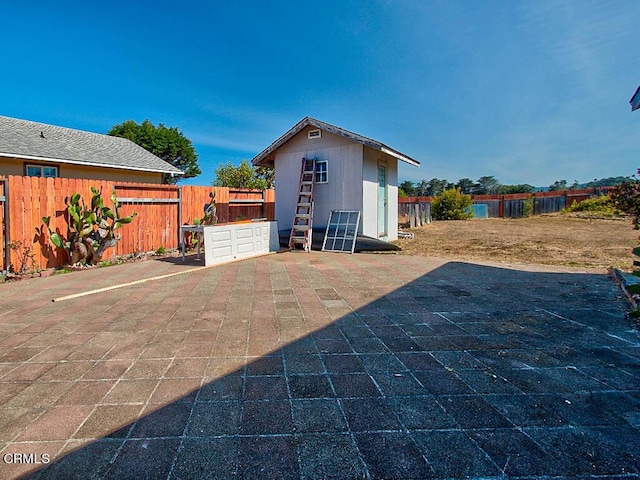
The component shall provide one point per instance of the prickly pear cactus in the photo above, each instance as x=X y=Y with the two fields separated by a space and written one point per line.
x=91 y=229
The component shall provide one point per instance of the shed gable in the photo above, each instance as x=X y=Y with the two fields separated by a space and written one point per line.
x=302 y=143
x=267 y=156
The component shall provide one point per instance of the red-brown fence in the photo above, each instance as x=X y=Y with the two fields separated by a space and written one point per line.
x=512 y=205
x=160 y=210
x=4 y=208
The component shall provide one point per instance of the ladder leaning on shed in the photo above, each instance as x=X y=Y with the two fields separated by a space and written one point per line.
x=301 y=231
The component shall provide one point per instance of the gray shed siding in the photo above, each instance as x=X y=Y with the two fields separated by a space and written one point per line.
x=372 y=158
x=352 y=181
x=344 y=164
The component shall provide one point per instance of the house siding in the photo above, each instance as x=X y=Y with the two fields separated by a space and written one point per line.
x=352 y=168
x=15 y=166
x=344 y=188
x=372 y=158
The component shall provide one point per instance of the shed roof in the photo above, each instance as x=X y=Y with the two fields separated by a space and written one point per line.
x=42 y=142
x=266 y=157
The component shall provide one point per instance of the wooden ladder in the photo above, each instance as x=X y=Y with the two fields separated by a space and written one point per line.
x=301 y=231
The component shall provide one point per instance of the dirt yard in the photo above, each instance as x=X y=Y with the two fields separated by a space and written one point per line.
x=552 y=240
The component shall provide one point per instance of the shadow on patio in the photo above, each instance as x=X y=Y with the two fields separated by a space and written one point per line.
x=466 y=370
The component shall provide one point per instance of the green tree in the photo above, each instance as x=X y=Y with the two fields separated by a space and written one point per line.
x=558 y=185
x=268 y=174
x=168 y=143
x=487 y=185
x=466 y=185
x=520 y=188
x=437 y=186
x=408 y=188
x=452 y=205
x=605 y=182
x=422 y=188
x=241 y=176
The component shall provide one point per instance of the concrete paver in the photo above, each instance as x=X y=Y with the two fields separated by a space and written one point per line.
x=319 y=366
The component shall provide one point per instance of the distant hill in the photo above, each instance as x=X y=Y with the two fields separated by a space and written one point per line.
x=603 y=182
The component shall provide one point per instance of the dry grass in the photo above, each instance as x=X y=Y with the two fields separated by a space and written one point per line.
x=551 y=240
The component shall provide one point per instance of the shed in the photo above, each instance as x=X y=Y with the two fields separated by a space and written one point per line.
x=353 y=172
x=42 y=150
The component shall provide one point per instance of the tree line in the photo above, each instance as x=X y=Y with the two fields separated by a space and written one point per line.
x=489 y=185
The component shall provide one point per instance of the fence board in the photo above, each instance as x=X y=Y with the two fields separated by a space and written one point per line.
x=549 y=204
x=3 y=227
x=270 y=203
x=512 y=205
x=414 y=214
x=493 y=207
x=155 y=226
x=17 y=215
x=513 y=208
x=194 y=198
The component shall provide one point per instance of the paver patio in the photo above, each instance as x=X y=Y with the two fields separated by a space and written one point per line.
x=319 y=366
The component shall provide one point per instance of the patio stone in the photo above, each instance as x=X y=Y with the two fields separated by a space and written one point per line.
x=266 y=417
x=354 y=385
x=57 y=423
x=144 y=458
x=392 y=455
x=452 y=454
x=209 y=458
x=318 y=365
x=267 y=457
x=330 y=457
x=209 y=419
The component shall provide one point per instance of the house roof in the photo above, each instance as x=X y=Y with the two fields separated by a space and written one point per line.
x=49 y=143
x=635 y=100
x=266 y=157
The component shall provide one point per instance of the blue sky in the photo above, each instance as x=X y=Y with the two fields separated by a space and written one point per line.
x=526 y=91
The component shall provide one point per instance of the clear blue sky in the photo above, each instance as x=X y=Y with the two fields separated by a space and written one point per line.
x=529 y=92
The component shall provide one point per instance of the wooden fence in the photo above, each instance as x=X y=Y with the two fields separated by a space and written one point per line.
x=4 y=219
x=160 y=210
x=513 y=205
x=415 y=214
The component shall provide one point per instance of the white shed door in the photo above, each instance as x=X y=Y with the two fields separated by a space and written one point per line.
x=382 y=201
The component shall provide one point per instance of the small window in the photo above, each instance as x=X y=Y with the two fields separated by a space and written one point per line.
x=322 y=171
x=314 y=134
x=41 y=171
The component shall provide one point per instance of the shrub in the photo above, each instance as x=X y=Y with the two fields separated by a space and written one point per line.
x=600 y=205
x=528 y=206
x=26 y=258
x=452 y=205
x=626 y=197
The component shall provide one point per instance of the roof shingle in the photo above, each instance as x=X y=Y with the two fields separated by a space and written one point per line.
x=40 y=141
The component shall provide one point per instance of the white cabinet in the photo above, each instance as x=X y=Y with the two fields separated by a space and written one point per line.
x=234 y=241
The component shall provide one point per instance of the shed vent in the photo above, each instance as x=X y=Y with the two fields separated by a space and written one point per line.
x=314 y=133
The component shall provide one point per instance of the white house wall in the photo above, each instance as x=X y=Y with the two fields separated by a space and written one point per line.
x=344 y=190
x=369 y=218
x=372 y=158
x=392 y=179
